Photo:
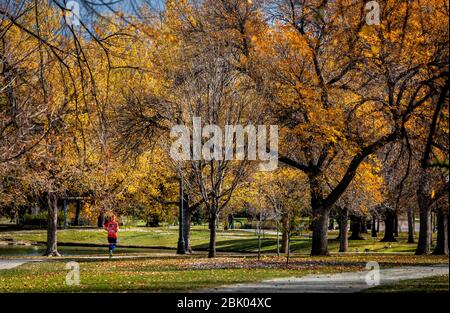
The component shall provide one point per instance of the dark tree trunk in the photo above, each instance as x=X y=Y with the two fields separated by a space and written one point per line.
x=284 y=233
x=433 y=222
x=396 y=225
x=212 y=235
x=432 y=227
x=373 y=228
x=76 y=222
x=331 y=219
x=363 y=225
x=378 y=225
x=320 y=232
x=411 y=226
x=320 y=218
x=101 y=219
x=52 y=249
x=338 y=221
x=442 y=233
x=343 y=230
x=152 y=220
x=389 y=226
x=356 y=222
x=424 y=244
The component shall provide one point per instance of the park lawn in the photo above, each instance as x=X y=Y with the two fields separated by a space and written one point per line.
x=136 y=236
x=227 y=241
x=434 y=284
x=303 y=244
x=171 y=274
x=151 y=237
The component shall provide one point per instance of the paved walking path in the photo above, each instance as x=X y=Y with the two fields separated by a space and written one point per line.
x=6 y=264
x=334 y=283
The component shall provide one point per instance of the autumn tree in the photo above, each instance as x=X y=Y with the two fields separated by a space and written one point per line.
x=49 y=77
x=286 y=195
x=342 y=89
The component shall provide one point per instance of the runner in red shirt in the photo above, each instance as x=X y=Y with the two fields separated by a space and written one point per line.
x=112 y=227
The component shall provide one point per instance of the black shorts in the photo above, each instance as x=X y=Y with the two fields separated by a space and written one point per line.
x=112 y=240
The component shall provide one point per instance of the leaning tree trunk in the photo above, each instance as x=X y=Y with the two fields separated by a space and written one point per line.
x=442 y=233
x=343 y=230
x=424 y=244
x=52 y=206
x=411 y=225
x=284 y=234
x=212 y=235
x=389 y=226
x=356 y=228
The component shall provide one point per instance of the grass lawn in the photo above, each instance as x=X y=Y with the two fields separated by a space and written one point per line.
x=227 y=241
x=430 y=284
x=172 y=274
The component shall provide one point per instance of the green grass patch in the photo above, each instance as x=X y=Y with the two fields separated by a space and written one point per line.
x=171 y=274
x=163 y=275
x=227 y=241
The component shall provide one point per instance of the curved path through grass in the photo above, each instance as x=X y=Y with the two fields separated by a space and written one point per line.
x=335 y=283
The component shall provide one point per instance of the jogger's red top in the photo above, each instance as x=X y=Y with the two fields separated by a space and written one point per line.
x=112 y=228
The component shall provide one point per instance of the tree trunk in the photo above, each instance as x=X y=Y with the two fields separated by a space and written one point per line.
x=410 y=226
x=395 y=224
x=278 y=238
x=320 y=217
x=331 y=218
x=389 y=226
x=433 y=222
x=442 y=233
x=338 y=221
x=101 y=219
x=356 y=222
x=284 y=233
x=212 y=236
x=52 y=249
x=288 y=249
x=76 y=222
x=320 y=232
x=343 y=230
x=363 y=225
x=373 y=228
x=424 y=244
x=187 y=228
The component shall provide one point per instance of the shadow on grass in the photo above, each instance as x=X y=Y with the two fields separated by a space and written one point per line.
x=251 y=245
